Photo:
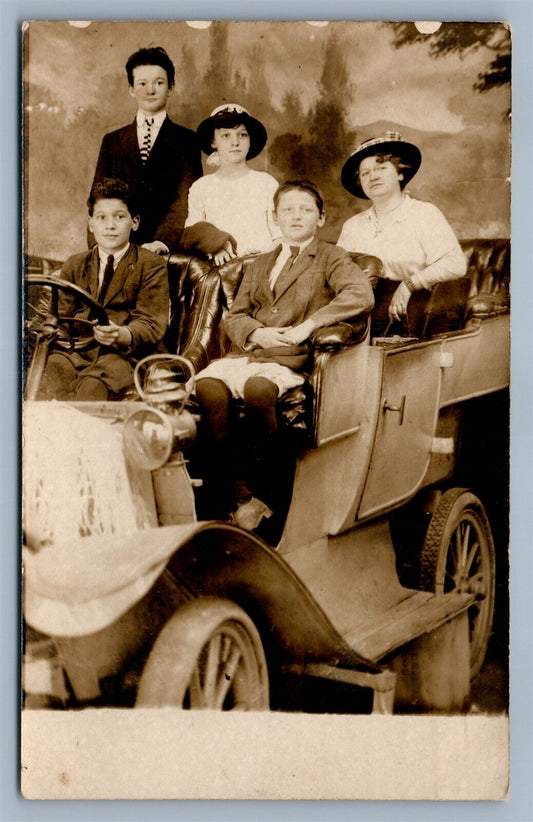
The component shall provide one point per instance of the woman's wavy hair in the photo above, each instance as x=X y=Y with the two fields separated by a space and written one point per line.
x=400 y=164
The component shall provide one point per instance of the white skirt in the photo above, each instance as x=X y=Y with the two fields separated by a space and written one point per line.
x=235 y=371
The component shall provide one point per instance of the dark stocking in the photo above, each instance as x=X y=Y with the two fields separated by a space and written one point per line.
x=225 y=461
x=274 y=469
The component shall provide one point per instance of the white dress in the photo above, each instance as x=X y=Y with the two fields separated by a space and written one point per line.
x=242 y=206
x=413 y=240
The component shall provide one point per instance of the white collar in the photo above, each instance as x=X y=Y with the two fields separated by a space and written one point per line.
x=286 y=246
x=117 y=256
x=159 y=116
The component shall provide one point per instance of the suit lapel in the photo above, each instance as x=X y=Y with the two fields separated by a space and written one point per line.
x=303 y=262
x=264 y=267
x=121 y=272
x=130 y=143
x=90 y=273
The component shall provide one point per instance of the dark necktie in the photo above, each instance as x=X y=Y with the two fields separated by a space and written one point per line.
x=108 y=276
x=295 y=250
x=147 y=142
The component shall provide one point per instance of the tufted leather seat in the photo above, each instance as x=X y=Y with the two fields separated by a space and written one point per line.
x=207 y=295
x=201 y=293
x=448 y=306
x=489 y=272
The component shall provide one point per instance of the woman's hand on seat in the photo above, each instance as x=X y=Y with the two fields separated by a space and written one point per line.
x=398 y=304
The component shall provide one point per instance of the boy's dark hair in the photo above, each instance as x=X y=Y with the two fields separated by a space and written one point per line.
x=155 y=56
x=300 y=185
x=110 y=189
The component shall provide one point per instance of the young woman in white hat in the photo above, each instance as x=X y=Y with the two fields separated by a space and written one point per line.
x=413 y=239
x=236 y=200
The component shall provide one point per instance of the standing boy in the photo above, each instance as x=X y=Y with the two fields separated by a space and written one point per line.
x=285 y=295
x=158 y=158
x=131 y=283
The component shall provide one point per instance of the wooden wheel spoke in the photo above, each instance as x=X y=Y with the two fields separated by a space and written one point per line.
x=465 y=538
x=451 y=576
x=458 y=555
x=195 y=689
x=212 y=664
x=472 y=554
x=455 y=548
x=220 y=663
x=227 y=675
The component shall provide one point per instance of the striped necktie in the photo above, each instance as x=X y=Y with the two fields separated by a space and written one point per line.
x=109 y=270
x=147 y=141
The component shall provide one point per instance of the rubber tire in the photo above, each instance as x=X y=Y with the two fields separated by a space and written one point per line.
x=454 y=507
x=177 y=657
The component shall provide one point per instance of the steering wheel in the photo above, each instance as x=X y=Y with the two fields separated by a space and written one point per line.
x=50 y=328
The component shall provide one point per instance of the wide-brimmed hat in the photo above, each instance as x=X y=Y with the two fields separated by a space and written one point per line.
x=228 y=116
x=391 y=143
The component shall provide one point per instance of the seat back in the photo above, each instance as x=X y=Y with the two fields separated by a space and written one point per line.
x=482 y=292
x=489 y=273
x=206 y=293
x=201 y=293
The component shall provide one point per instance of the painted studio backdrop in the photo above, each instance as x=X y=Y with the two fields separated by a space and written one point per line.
x=320 y=89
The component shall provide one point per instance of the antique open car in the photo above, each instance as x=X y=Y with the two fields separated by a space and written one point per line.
x=383 y=580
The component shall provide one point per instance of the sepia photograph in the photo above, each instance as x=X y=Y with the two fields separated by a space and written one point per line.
x=265 y=413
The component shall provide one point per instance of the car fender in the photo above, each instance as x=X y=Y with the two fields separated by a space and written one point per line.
x=81 y=588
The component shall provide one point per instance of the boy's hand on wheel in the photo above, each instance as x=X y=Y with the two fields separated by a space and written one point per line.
x=112 y=334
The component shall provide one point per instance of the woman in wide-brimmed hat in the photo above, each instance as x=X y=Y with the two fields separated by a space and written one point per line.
x=230 y=210
x=412 y=238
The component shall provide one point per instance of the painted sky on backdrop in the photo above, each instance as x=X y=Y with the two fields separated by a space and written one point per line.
x=71 y=70
x=420 y=92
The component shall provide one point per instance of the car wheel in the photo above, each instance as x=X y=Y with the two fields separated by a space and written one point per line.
x=458 y=555
x=208 y=655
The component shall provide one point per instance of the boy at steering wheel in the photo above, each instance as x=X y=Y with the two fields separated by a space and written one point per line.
x=130 y=283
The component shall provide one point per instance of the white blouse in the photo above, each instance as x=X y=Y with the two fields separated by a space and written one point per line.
x=242 y=206
x=413 y=240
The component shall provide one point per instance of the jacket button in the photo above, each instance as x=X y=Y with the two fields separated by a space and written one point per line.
x=275 y=310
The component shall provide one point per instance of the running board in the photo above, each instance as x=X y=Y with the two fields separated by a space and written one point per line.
x=415 y=616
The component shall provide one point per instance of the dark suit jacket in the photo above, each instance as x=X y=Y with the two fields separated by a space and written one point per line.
x=323 y=284
x=137 y=295
x=162 y=184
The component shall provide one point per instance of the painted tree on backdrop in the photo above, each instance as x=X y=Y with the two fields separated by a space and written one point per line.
x=451 y=38
x=315 y=143
x=311 y=142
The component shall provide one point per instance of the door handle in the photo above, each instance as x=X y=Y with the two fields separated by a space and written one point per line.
x=399 y=409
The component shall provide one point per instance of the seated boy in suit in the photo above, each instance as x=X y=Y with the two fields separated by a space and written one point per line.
x=131 y=283
x=285 y=295
x=158 y=158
